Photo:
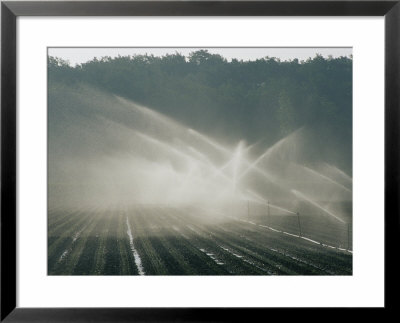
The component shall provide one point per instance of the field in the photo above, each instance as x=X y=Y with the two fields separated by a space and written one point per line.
x=162 y=240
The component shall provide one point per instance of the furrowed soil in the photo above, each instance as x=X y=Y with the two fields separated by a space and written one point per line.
x=161 y=240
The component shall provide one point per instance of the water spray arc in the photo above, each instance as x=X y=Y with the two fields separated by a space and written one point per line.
x=317 y=205
x=326 y=178
x=164 y=162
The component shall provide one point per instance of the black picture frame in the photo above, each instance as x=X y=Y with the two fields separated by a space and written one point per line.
x=11 y=10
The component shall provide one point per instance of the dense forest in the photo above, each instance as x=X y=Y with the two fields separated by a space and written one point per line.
x=261 y=100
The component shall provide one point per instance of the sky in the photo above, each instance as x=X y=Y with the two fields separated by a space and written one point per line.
x=79 y=55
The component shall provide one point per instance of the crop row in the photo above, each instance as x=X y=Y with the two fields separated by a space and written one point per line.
x=178 y=241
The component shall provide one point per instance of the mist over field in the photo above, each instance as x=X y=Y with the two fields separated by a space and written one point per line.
x=200 y=138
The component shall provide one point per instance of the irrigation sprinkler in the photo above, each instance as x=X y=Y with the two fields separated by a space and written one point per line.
x=348 y=236
x=298 y=218
x=268 y=214
x=248 y=210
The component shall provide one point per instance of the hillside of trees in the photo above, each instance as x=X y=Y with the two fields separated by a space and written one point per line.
x=262 y=100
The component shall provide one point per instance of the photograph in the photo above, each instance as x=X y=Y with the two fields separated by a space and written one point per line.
x=200 y=161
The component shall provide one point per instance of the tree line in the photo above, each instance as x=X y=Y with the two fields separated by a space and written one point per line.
x=261 y=99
